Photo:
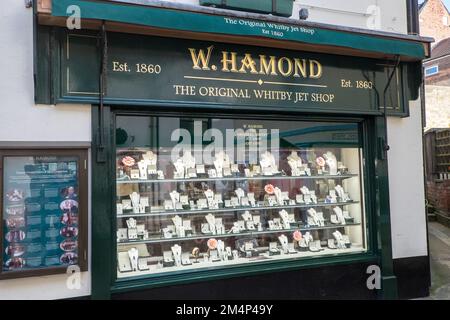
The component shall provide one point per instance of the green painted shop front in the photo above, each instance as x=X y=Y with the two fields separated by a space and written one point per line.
x=127 y=76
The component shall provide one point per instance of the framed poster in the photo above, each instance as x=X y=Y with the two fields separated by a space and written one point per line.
x=43 y=211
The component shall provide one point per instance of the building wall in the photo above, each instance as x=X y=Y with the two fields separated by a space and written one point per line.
x=22 y=121
x=406 y=185
x=437 y=107
x=435 y=20
x=385 y=15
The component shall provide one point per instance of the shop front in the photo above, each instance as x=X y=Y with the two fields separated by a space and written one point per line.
x=247 y=162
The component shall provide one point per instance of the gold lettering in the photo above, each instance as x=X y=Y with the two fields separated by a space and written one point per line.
x=315 y=73
x=248 y=63
x=226 y=61
x=267 y=68
x=281 y=66
x=300 y=68
x=200 y=57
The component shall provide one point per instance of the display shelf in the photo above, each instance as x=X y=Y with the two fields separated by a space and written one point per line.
x=340 y=176
x=233 y=235
x=199 y=212
x=262 y=258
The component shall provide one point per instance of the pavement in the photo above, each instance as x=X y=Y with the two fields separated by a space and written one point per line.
x=439 y=241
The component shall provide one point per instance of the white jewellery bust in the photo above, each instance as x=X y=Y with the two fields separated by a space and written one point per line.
x=268 y=163
x=295 y=162
x=188 y=160
x=134 y=255
x=331 y=161
x=175 y=197
x=176 y=251
x=339 y=215
x=278 y=195
x=284 y=242
x=179 y=169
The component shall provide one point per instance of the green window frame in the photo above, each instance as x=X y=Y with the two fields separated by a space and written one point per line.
x=105 y=280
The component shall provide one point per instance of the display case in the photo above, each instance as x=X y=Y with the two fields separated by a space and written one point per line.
x=204 y=193
x=43 y=212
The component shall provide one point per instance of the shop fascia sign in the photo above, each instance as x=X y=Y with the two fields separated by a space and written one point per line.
x=148 y=70
x=262 y=64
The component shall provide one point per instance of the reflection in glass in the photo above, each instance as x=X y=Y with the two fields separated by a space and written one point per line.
x=202 y=193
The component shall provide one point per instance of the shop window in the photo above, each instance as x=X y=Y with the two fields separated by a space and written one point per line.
x=195 y=194
x=43 y=212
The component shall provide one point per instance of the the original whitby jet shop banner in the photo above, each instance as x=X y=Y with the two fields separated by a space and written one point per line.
x=149 y=69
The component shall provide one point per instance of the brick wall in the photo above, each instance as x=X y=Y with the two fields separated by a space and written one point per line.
x=438 y=195
x=431 y=20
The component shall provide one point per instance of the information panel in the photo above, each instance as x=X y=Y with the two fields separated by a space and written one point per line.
x=40 y=212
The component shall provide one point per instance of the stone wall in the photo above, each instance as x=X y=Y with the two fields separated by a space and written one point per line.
x=437 y=99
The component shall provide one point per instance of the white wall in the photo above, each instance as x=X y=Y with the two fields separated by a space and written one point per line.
x=384 y=15
x=406 y=184
x=21 y=120
x=391 y=14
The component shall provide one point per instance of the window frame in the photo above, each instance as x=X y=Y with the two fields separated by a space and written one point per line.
x=162 y=280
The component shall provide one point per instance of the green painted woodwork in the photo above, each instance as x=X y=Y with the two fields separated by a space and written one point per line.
x=42 y=65
x=241 y=271
x=206 y=23
x=179 y=76
x=383 y=217
x=275 y=7
x=103 y=237
x=104 y=269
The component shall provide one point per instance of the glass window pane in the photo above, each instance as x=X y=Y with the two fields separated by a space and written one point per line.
x=196 y=193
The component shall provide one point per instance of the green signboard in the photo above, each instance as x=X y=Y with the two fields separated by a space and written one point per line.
x=150 y=70
x=283 y=29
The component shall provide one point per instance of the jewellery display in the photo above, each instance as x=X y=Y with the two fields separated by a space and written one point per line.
x=133 y=255
x=284 y=243
x=190 y=214
x=307 y=196
x=331 y=161
x=268 y=164
x=321 y=164
x=295 y=162
x=344 y=197
x=315 y=218
x=338 y=218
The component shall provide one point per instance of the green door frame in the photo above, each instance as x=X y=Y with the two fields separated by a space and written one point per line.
x=104 y=237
